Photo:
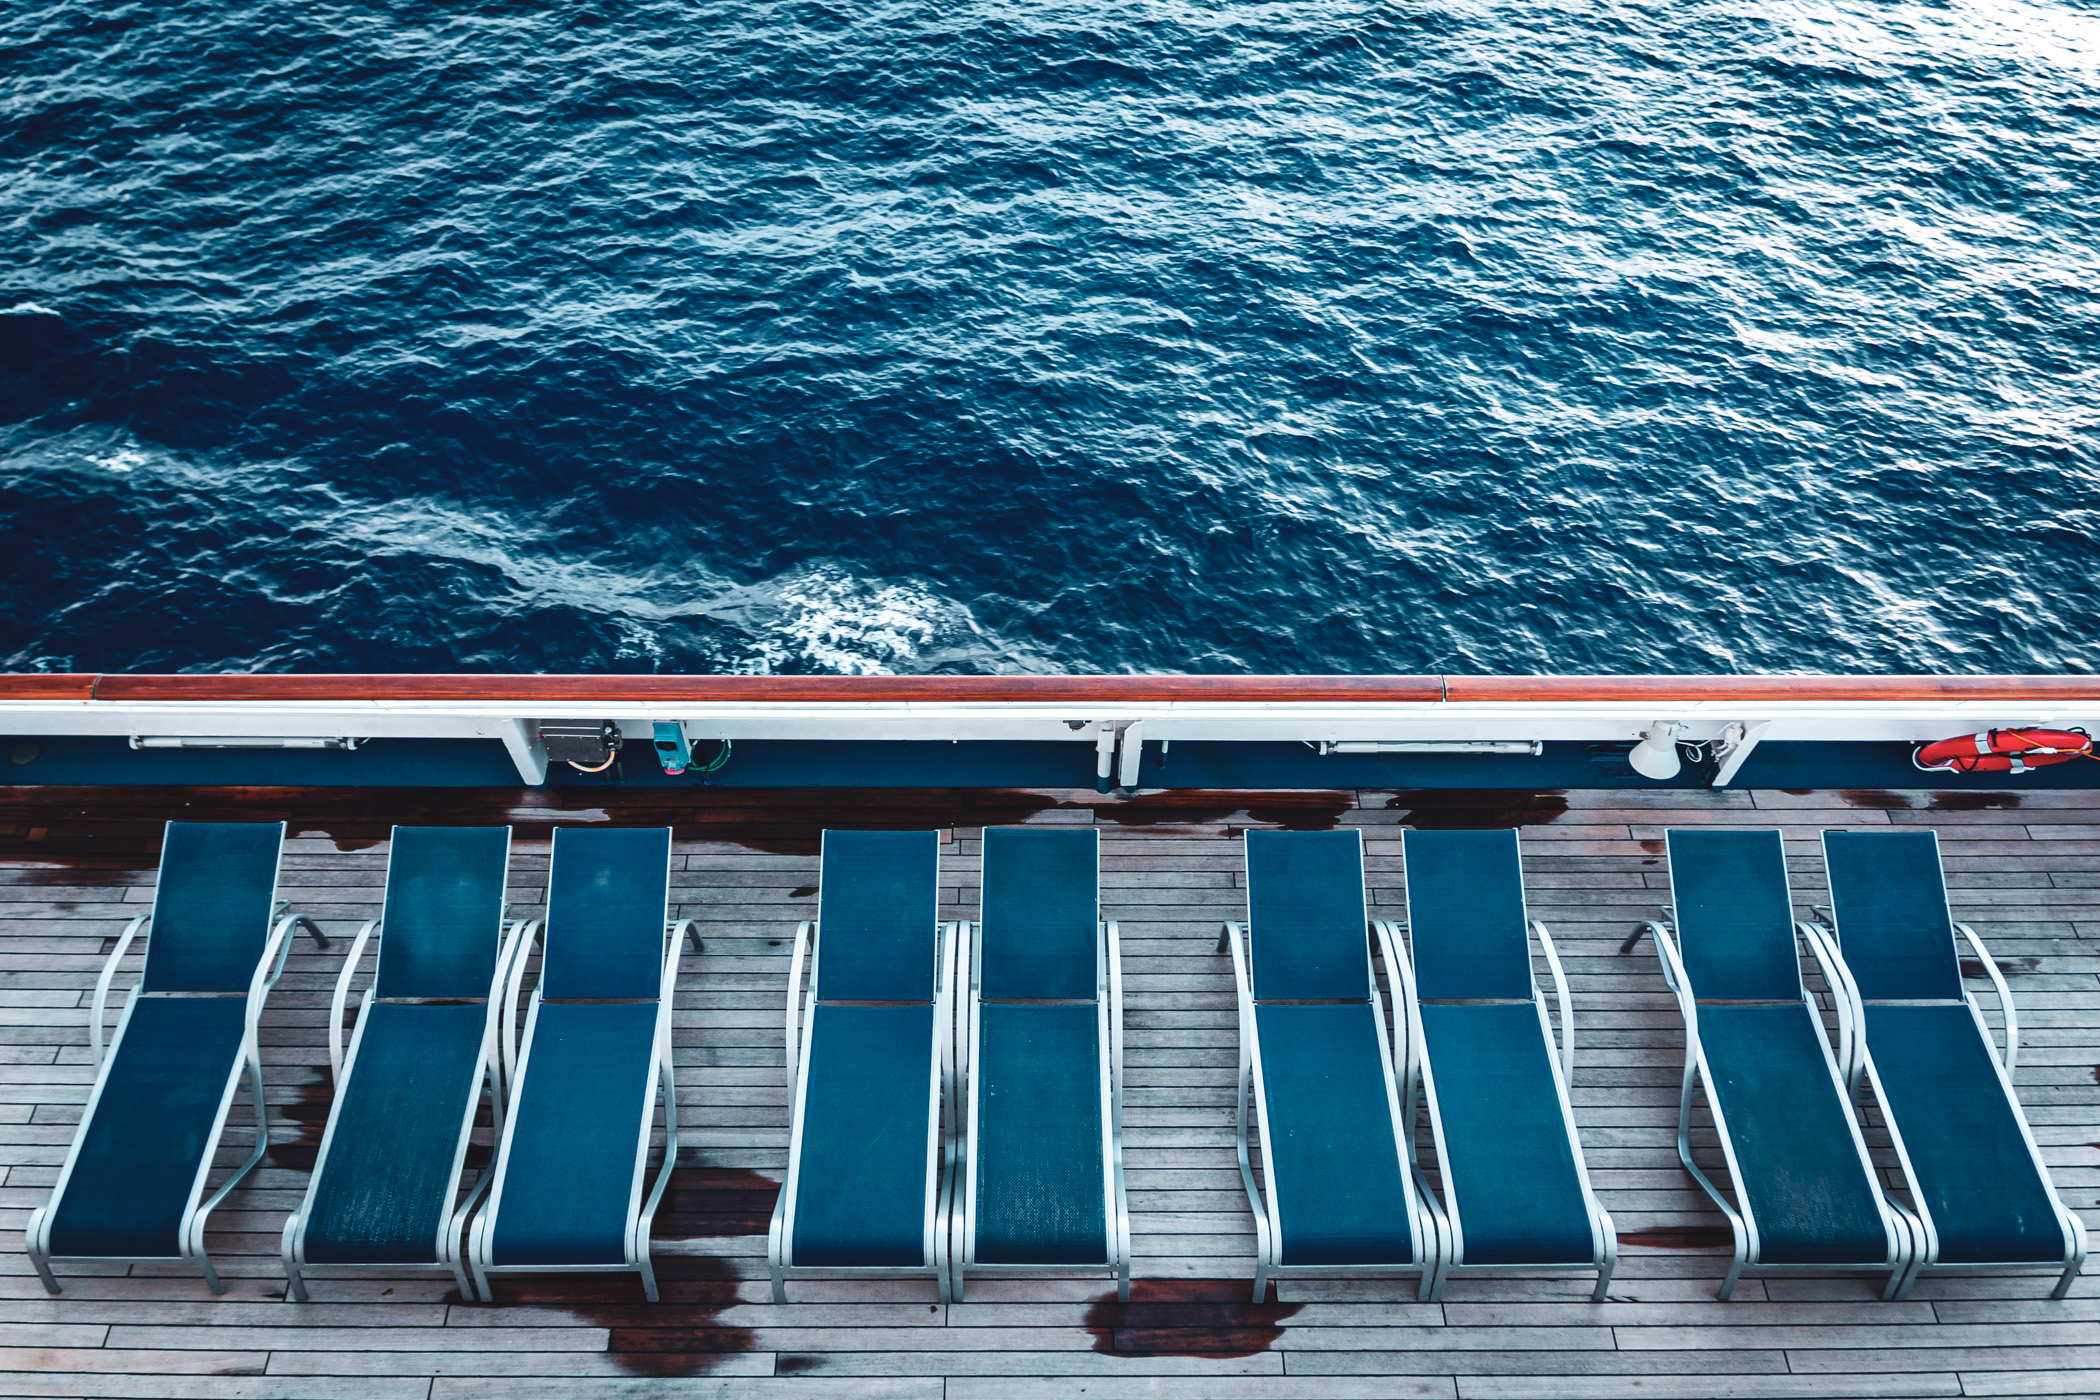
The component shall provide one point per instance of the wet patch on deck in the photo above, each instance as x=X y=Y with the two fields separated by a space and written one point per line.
x=1467 y=809
x=679 y=1336
x=1694 y=1237
x=709 y=1202
x=90 y=828
x=1207 y=1317
x=1293 y=811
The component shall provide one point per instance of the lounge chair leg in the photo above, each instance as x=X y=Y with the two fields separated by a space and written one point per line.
x=466 y=1285
x=2063 y=1285
x=1604 y=1273
x=648 y=1273
x=1123 y=1281
x=1261 y=1281
x=211 y=1275
x=43 y=1265
x=780 y=1293
x=1735 y=1271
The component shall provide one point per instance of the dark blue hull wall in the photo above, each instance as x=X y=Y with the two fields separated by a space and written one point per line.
x=761 y=764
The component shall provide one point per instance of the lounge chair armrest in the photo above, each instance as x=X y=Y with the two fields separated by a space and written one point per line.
x=1680 y=984
x=109 y=973
x=1115 y=1008
x=281 y=941
x=341 y=1000
x=804 y=932
x=2005 y=1000
x=1844 y=995
x=1560 y=995
x=1407 y=1015
x=686 y=929
x=507 y=1039
x=1233 y=942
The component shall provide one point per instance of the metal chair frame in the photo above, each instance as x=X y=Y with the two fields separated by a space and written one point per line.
x=268 y=968
x=941 y=1128
x=516 y=934
x=1108 y=999
x=1444 y=1214
x=1268 y=1225
x=516 y=1062
x=1857 y=1064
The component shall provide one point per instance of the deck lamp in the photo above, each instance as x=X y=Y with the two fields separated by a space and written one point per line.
x=1655 y=756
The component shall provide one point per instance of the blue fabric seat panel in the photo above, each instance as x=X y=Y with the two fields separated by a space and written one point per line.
x=1040 y=932
x=865 y=1158
x=1735 y=918
x=1976 y=1174
x=1465 y=915
x=607 y=894
x=1801 y=1173
x=574 y=1142
x=1513 y=1177
x=1891 y=901
x=385 y=1186
x=1305 y=915
x=444 y=910
x=1040 y=1177
x=212 y=905
x=151 y=1129
x=1337 y=1184
x=878 y=906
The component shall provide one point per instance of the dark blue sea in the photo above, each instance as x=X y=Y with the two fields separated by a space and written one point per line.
x=1558 y=335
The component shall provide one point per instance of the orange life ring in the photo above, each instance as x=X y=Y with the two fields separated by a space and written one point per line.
x=2004 y=751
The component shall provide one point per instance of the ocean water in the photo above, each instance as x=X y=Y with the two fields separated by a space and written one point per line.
x=1725 y=335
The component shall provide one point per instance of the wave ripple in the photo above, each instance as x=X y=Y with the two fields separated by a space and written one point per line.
x=1138 y=335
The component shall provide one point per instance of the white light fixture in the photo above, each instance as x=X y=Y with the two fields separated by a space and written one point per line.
x=239 y=741
x=1655 y=756
x=1534 y=747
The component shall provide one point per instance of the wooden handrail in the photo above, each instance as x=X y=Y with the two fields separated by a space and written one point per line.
x=658 y=689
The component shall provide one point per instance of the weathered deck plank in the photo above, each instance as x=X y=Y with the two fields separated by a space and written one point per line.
x=2024 y=868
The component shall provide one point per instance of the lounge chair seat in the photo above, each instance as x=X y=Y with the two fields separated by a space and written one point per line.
x=1338 y=1189
x=386 y=1180
x=1042 y=1178
x=593 y=1063
x=1983 y=1194
x=869 y=1060
x=1516 y=1191
x=130 y=1185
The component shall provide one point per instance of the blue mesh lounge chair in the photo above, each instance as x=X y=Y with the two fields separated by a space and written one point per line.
x=1806 y=1194
x=870 y=1062
x=1336 y=1153
x=215 y=943
x=1042 y=1061
x=1977 y=1182
x=1516 y=1190
x=595 y=1057
x=387 y=1176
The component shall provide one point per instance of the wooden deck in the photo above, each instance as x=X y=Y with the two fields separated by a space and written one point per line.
x=75 y=865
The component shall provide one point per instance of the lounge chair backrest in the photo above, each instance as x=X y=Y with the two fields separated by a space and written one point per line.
x=211 y=909
x=1891 y=904
x=1465 y=916
x=1735 y=919
x=444 y=910
x=608 y=894
x=878 y=916
x=1305 y=916
x=1041 y=937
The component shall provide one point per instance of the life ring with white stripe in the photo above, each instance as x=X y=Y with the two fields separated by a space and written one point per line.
x=2003 y=751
